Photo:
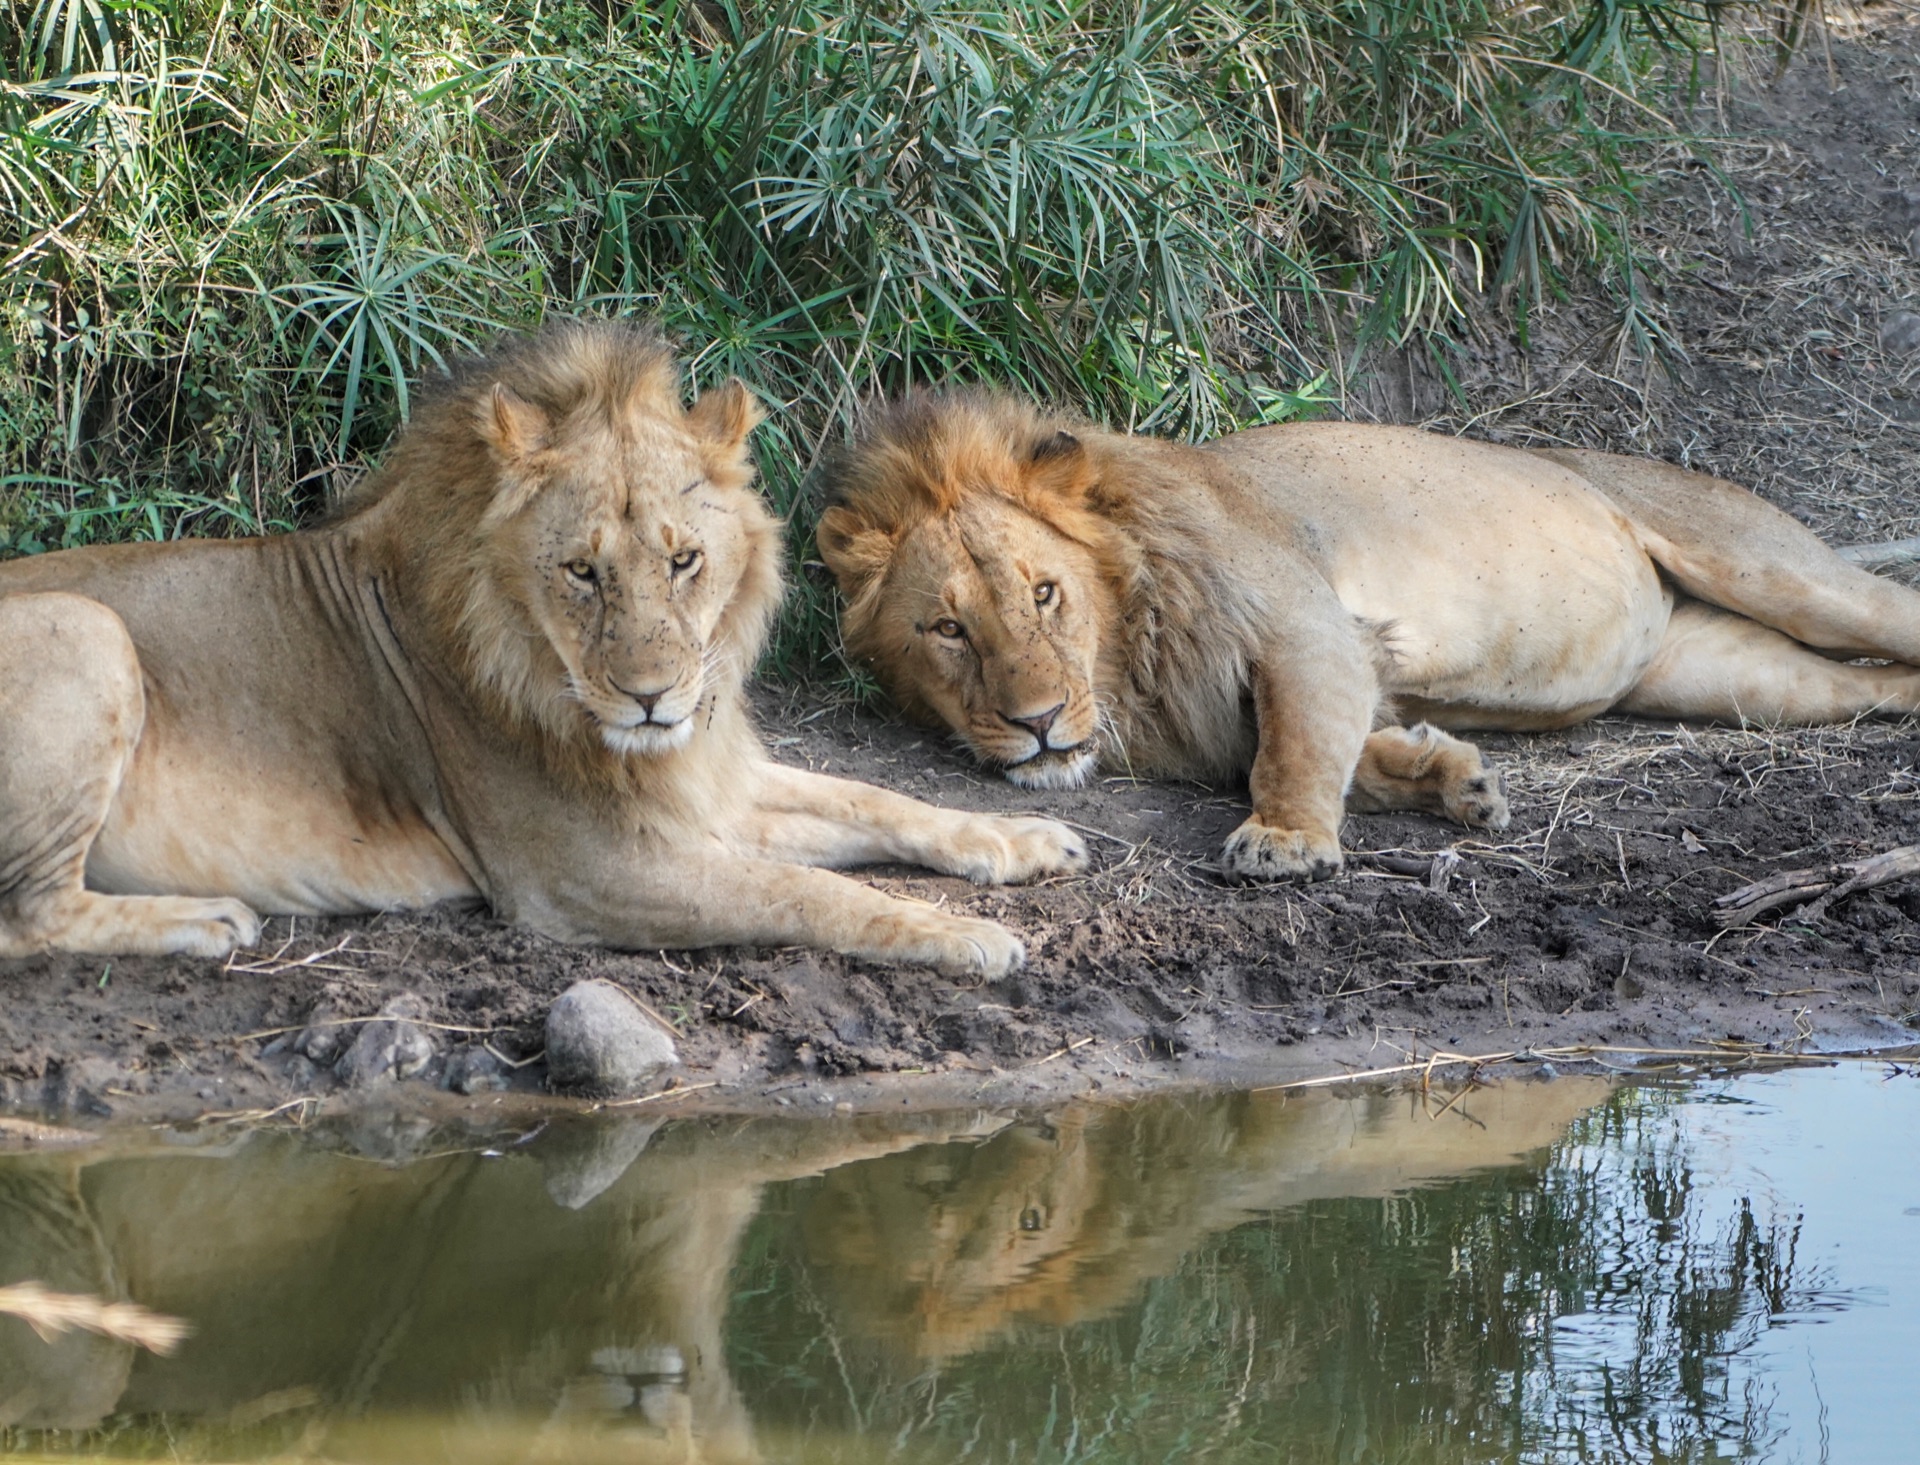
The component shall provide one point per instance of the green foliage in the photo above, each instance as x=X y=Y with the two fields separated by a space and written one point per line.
x=232 y=230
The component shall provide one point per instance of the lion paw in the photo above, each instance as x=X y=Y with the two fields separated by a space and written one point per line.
x=213 y=928
x=1257 y=851
x=958 y=946
x=999 y=851
x=1478 y=799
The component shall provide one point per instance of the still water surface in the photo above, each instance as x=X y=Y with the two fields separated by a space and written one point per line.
x=1538 y=1272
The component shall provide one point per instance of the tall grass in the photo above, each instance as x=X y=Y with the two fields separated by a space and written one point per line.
x=232 y=230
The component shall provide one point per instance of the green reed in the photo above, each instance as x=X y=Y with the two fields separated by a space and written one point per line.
x=233 y=230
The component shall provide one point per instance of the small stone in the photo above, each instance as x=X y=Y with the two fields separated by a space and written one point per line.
x=1900 y=333
x=600 y=1042
x=476 y=1070
x=302 y=1074
x=324 y=1037
x=388 y=1050
x=660 y=1361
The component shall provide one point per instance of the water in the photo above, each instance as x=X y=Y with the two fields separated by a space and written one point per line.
x=1541 y=1272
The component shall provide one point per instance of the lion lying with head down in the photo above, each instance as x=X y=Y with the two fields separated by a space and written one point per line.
x=512 y=670
x=1263 y=604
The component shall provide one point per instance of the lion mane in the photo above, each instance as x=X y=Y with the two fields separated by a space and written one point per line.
x=512 y=667
x=1176 y=630
x=443 y=494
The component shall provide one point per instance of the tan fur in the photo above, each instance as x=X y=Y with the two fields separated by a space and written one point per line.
x=1272 y=603
x=941 y=1249
x=511 y=670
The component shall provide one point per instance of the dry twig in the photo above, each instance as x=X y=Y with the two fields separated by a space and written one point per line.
x=1716 y=1053
x=1876 y=556
x=1821 y=886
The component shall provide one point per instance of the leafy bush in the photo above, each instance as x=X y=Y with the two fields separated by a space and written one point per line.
x=233 y=229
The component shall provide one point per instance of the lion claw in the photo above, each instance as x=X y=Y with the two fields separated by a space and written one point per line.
x=979 y=949
x=1479 y=801
x=1260 y=852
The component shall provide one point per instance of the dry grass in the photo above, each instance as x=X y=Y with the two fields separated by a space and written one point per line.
x=51 y=1314
x=1771 y=370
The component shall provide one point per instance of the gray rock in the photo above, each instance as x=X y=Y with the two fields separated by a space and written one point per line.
x=302 y=1074
x=324 y=1038
x=1900 y=333
x=582 y=1162
x=600 y=1042
x=388 y=1050
x=476 y=1070
x=390 y=1138
x=658 y=1361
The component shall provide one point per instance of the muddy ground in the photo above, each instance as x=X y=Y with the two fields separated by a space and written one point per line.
x=1587 y=923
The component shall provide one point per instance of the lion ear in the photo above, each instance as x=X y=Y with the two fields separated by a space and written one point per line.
x=853 y=549
x=515 y=429
x=511 y=425
x=725 y=415
x=1060 y=445
x=1058 y=465
x=655 y=389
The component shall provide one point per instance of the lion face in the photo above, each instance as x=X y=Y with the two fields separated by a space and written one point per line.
x=629 y=563
x=974 y=587
x=942 y=1247
x=985 y=621
x=628 y=571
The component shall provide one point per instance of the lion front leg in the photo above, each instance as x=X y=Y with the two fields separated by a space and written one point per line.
x=72 y=710
x=705 y=897
x=811 y=819
x=1314 y=698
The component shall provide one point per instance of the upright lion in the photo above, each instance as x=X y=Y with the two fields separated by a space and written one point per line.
x=512 y=670
x=1276 y=602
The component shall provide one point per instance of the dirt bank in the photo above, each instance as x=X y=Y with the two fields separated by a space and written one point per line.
x=1587 y=923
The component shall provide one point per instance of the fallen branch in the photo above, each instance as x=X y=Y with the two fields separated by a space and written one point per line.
x=1719 y=1055
x=677 y=1091
x=51 y=1313
x=1821 y=886
x=1878 y=556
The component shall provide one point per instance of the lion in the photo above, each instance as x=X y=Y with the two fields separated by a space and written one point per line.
x=1310 y=605
x=936 y=1251
x=511 y=670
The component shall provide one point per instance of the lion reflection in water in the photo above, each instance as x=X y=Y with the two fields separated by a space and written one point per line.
x=575 y=1308
x=940 y=1250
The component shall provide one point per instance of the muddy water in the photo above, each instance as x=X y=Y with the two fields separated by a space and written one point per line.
x=1536 y=1271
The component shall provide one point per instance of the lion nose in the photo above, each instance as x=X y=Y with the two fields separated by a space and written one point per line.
x=647 y=700
x=1038 y=723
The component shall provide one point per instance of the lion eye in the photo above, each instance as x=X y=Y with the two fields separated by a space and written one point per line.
x=687 y=561
x=951 y=629
x=1045 y=593
x=582 y=570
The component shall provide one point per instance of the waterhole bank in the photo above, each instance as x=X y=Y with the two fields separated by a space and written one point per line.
x=1588 y=923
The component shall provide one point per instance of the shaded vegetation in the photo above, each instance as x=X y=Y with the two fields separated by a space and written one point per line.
x=233 y=229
